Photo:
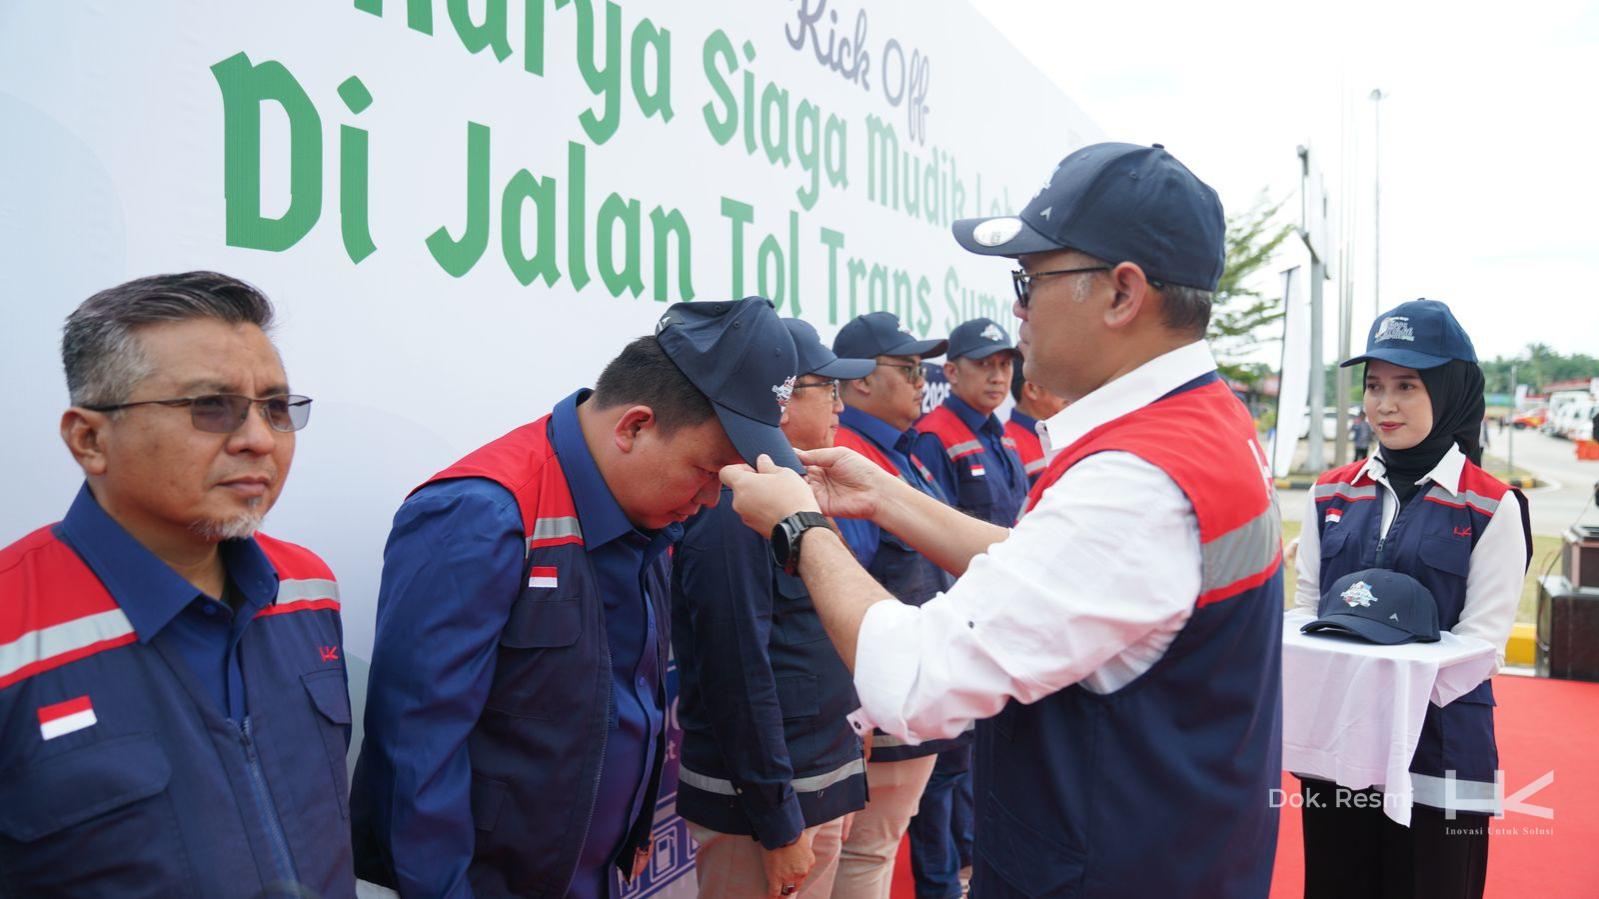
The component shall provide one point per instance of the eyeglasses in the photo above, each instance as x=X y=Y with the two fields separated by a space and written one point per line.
x=828 y=383
x=913 y=373
x=224 y=413
x=1023 y=281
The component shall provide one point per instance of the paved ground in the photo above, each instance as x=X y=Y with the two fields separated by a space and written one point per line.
x=1554 y=508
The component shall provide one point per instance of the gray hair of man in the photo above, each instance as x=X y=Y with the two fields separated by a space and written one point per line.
x=1184 y=309
x=99 y=344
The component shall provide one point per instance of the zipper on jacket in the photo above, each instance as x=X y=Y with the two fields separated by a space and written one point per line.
x=263 y=801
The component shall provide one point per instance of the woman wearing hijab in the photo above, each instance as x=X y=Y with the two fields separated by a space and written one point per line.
x=1419 y=505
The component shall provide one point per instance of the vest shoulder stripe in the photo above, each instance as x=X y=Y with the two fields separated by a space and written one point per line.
x=555 y=532
x=51 y=647
x=1037 y=465
x=1466 y=499
x=303 y=595
x=962 y=450
x=1341 y=490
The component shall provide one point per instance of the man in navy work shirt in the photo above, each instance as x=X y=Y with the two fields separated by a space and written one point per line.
x=515 y=722
x=172 y=681
x=877 y=423
x=1034 y=403
x=770 y=766
x=975 y=463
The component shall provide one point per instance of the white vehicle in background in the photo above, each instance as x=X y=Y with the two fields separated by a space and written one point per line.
x=1574 y=420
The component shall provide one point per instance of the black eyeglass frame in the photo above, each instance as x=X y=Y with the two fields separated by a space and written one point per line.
x=830 y=382
x=1022 y=280
x=297 y=409
x=916 y=374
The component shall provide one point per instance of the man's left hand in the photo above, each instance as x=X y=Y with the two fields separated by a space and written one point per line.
x=767 y=494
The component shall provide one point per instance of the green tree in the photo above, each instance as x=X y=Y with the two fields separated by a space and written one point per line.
x=1537 y=366
x=1240 y=312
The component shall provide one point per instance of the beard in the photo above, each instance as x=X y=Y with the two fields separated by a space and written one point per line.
x=239 y=527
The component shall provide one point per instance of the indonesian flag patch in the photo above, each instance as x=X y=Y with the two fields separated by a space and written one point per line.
x=1333 y=515
x=66 y=717
x=978 y=470
x=541 y=576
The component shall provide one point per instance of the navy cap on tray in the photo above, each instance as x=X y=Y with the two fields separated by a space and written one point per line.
x=1378 y=605
x=740 y=355
x=1119 y=203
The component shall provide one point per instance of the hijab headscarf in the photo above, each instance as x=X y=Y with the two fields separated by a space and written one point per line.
x=1456 y=391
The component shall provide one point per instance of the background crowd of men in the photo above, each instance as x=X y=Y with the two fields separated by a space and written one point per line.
x=187 y=679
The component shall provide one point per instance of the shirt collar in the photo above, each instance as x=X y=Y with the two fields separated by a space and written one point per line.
x=1134 y=390
x=973 y=419
x=598 y=514
x=1024 y=421
x=147 y=590
x=1445 y=474
x=877 y=430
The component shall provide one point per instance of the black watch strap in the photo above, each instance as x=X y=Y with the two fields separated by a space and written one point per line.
x=786 y=537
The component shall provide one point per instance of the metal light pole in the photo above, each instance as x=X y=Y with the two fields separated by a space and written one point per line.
x=1376 y=97
x=1510 y=432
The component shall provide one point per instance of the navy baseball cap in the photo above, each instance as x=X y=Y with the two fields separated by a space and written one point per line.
x=1378 y=605
x=979 y=339
x=880 y=334
x=739 y=354
x=1418 y=334
x=816 y=359
x=1119 y=203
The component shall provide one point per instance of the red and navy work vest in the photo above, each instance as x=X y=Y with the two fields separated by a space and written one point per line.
x=1431 y=539
x=913 y=580
x=1161 y=788
x=118 y=774
x=538 y=749
x=982 y=483
x=1029 y=449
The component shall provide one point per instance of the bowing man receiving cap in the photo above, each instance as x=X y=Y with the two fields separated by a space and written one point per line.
x=516 y=713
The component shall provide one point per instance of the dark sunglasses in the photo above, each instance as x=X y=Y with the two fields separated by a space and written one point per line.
x=224 y=413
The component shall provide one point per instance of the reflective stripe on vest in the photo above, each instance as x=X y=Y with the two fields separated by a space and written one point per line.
x=811 y=784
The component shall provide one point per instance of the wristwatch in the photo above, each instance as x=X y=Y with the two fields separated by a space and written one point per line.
x=786 y=537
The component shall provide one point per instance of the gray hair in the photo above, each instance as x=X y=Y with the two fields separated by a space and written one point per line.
x=99 y=346
x=1182 y=308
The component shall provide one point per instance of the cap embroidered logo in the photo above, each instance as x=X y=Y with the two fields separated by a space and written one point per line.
x=785 y=392
x=1395 y=327
x=995 y=232
x=1359 y=594
x=992 y=332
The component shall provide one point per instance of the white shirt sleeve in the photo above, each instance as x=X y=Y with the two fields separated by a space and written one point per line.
x=1494 y=581
x=1307 y=565
x=1091 y=586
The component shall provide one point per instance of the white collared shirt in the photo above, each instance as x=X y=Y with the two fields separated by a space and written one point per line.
x=1091 y=587
x=1498 y=561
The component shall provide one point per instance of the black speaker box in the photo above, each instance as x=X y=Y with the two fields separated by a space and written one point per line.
x=1579 y=556
x=1568 y=630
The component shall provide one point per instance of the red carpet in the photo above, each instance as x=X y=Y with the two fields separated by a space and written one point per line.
x=1543 y=726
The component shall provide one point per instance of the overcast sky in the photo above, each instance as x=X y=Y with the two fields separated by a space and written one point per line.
x=1489 y=133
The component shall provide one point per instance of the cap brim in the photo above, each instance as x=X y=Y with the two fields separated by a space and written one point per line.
x=1365 y=628
x=1025 y=240
x=846 y=369
x=754 y=439
x=1399 y=356
x=927 y=349
x=986 y=351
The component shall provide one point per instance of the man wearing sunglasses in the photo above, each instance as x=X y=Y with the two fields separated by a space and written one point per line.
x=1121 y=646
x=877 y=422
x=770 y=766
x=516 y=714
x=173 y=680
